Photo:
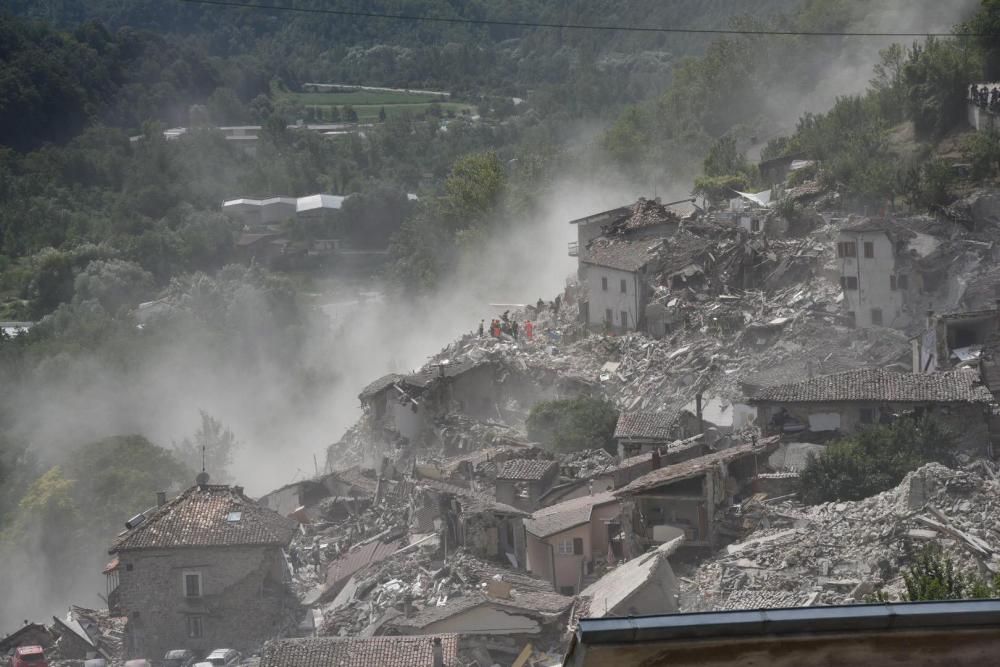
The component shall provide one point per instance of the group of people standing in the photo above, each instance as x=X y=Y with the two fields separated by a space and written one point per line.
x=507 y=325
x=985 y=97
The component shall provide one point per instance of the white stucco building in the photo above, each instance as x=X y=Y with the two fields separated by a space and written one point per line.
x=874 y=286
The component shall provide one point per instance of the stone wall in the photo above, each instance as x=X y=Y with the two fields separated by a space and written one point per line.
x=244 y=601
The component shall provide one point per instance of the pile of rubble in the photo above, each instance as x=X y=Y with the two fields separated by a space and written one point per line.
x=841 y=552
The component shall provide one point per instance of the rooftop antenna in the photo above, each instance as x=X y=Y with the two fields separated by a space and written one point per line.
x=202 y=478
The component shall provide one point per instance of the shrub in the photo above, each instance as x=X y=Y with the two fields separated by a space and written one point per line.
x=569 y=425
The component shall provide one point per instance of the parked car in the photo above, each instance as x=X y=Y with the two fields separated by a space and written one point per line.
x=179 y=657
x=28 y=656
x=138 y=662
x=224 y=657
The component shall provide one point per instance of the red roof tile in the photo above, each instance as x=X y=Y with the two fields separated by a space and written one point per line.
x=879 y=384
x=208 y=516
x=358 y=559
x=525 y=469
x=417 y=651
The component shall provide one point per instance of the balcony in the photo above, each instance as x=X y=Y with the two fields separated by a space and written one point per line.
x=574 y=249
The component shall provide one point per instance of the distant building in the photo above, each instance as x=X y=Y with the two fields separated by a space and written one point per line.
x=202 y=571
x=256 y=213
x=523 y=482
x=874 y=286
x=565 y=540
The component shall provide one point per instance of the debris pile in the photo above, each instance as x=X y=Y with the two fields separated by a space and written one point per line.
x=837 y=553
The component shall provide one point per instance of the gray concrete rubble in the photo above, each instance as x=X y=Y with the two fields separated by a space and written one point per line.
x=841 y=552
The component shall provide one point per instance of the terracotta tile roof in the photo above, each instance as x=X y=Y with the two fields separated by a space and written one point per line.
x=521 y=581
x=358 y=559
x=877 y=384
x=525 y=469
x=208 y=516
x=646 y=425
x=472 y=502
x=557 y=518
x=429 y=374
x=695 y=467
x=415 y=651
x=530 y=602
x=621 y=254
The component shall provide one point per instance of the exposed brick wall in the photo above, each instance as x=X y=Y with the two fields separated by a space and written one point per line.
x=244 y=600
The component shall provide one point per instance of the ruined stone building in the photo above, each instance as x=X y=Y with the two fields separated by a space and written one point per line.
x=202 y=571
x=423 y=651
x=844 y=403
x=681 y=500
x=644 y=432
x=523 y=482
x=874 y=286
x=954 y=339
x=565 y=540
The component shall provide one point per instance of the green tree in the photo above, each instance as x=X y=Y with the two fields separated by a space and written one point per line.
x=574 y=424
x=215 y=442
x=473 y=190
x=381 y=115
x=349 y=114
x=875 y=460
x=114 y=283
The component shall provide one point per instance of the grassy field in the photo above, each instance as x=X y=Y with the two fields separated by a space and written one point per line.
x=368 y=103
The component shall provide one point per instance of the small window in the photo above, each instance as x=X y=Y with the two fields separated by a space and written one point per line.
x=892 y=283
x=869 y=249
x=234 y=517
x=192 y=584
x=565 y=548
x=755 y=225
x=624 y=286
x=577 y=546
x=195 y=629
x=128 y=567
x=903 y=282
x=847 y=249
x=608 y=317
x=867 y=416
x=849 y=282
x=604 y=283
x=852 y=319
x=624 y=315
x=877 y=316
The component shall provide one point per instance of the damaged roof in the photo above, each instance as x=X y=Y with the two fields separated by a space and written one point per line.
x=560 y=517
x=358 y=559
x=608 y=593
x=645 y=425
x=379 y=385
x=644 y=214
x=531 y=602
x=695 y=467
x=530 y=469
x=433 y=372
x=621 y=254
x=209 y=515
x=472 y=502
x=417 y=651
x=880 y=385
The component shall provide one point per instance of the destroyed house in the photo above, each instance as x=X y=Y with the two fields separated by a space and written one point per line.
x=954 y=339
x=614 y=273
x=523 y=482
x=849 y=401
x=644 y=432
x=590 y=227
x=468 y=518
x=408 y=404
x=644 y=585
x=497 y=610
x=681 y=500
x=424 y=651
x=873 y=277
x=203 y=570
x=567 y=540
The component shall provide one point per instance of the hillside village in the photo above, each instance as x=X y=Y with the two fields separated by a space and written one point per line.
x=735 y=341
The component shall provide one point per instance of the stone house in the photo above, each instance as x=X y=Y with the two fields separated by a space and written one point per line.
x=523 y=482
x=874 y=286
x=682 y=499
x=844 y=403
x=422 y=651
x=567 y=539
x=644 y=432
x=202 y=571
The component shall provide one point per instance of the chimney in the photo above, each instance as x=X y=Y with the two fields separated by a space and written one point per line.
x=655 y=460
x=438 y=652
x=161 y=498
x=238 y=490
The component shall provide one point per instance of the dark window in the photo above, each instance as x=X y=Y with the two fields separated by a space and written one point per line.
x=128 y=567
x=604 y=283
x=566 y=590
x=624 y=318
x=755 y=225
x=624 y=287
x=194 y=627
x=867 y=416
x=869 y=249
x=877 y=316
x=608 y=317
x=852 y=319
x=577 y=546
x=192 y=585
x=849 y=282
x=892 y=282
x=903 y=282
x=847 y=249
